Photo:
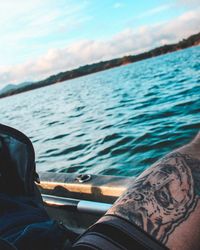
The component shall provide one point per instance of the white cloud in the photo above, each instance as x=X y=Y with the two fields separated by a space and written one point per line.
x=154 y=11
x=118 y=5
x=188 y=2
x=24 y=23
x=128 y=41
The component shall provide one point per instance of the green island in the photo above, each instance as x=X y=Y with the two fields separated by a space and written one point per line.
x=103 y=65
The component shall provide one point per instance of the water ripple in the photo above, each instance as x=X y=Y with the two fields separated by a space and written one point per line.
x=115 y=122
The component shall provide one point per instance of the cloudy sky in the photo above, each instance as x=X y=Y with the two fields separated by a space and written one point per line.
x=44 y=37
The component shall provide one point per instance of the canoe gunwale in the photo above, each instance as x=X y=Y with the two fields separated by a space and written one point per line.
x=101 y=188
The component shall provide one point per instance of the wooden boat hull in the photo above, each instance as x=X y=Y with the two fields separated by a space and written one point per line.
x=78 y=204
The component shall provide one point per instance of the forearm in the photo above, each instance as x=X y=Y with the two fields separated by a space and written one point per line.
x=164 y=200
x=161 y=209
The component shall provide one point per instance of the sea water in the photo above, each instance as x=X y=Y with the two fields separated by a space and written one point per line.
x=115 y=122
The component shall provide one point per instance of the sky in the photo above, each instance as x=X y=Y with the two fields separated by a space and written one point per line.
x=41 y=38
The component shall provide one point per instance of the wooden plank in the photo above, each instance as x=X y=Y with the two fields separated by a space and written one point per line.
x=98 y=188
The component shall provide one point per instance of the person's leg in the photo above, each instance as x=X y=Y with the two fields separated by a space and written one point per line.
x=162 y=203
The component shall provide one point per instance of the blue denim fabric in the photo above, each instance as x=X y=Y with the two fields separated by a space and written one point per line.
x=25 y=224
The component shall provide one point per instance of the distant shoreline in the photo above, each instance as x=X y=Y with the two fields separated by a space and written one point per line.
x=100 y=66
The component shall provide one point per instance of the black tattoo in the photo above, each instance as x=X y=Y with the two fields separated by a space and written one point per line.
x=163 y=196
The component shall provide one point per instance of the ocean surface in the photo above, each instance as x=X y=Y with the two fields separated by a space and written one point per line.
x=115 y=122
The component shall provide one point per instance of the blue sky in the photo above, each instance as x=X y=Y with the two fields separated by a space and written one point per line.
x=40 y=38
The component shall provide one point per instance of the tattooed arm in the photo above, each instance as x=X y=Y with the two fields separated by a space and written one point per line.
x=164 y=201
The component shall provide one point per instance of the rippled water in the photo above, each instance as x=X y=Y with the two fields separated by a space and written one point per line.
x=114 y=122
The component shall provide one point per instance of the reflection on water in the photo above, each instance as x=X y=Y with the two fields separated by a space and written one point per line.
x=114 y=122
